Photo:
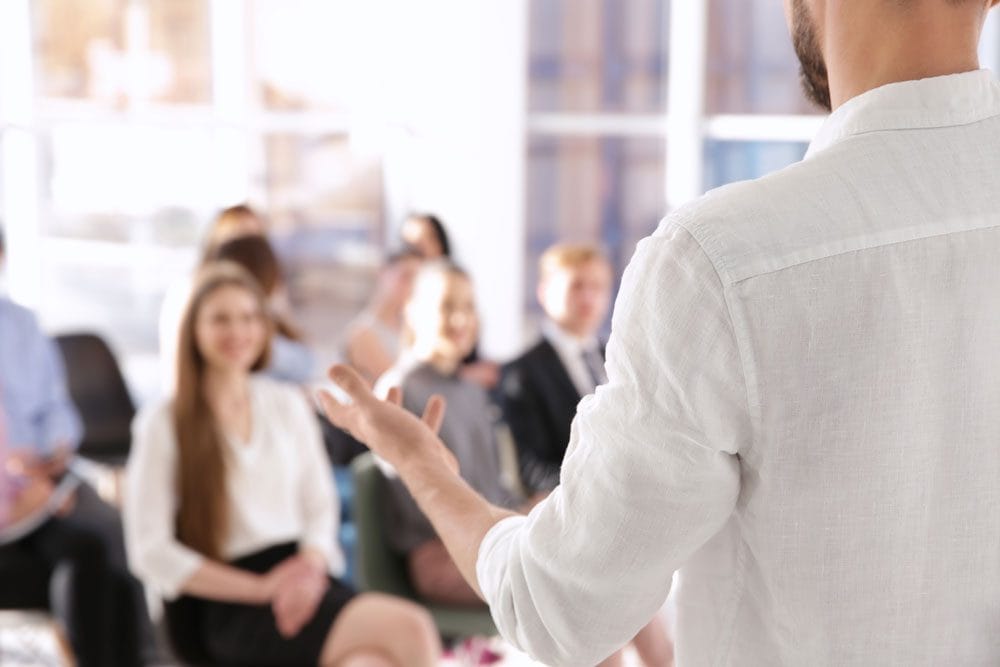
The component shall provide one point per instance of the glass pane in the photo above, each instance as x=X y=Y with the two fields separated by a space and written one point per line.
x=597 y=55
x=150 y=183
x=989 y=45
x=290 y=38
x=116 y=51
x=325 y=208
x=80 y=53
x=752 y=67
x=115 y=290
x=180 y=50
x=608 y=190
x=729 y=161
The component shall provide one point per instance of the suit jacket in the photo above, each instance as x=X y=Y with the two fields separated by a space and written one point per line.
x=539 y=401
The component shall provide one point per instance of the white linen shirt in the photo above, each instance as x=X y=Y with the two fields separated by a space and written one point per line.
x=279 y=486
x=802 y=415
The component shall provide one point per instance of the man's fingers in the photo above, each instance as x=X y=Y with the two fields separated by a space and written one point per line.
x=434 y=412
x=340 y=415
x=395 y=396
x=353 y=384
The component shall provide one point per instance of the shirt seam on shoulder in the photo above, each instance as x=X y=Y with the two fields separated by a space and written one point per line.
x=742 y=343
x=873 y=246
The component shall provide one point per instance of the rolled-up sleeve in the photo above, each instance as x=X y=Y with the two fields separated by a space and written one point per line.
x=150 y=507
x=652 y=470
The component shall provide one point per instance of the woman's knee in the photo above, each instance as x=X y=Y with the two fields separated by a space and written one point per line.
x=400 y=629
x=365 y=659
x=411 y=624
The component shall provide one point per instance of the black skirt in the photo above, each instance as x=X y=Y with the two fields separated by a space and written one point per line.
x=222 y=633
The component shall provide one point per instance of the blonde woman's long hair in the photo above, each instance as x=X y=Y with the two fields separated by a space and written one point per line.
x=202 y=516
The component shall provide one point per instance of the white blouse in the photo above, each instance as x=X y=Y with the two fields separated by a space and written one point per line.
x=280 y=488
x=802 y=415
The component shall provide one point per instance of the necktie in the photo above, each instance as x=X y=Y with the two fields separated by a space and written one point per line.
x=594 y=362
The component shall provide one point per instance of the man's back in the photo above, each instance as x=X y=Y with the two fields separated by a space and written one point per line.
x=864 y=290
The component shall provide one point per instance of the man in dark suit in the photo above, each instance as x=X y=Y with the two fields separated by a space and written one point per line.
x=540 y=389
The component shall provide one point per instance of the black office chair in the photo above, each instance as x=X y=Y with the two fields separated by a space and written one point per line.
x=98 y=389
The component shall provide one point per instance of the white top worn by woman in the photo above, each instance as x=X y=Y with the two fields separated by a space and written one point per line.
x=280 y=489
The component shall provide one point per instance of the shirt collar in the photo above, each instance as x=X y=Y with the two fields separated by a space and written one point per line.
x=941 y=101
x=564 y=340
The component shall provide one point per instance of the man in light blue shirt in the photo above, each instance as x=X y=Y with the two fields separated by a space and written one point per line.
x=43 y=430
x=42 y=423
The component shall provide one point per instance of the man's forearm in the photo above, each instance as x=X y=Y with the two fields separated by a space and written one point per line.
x=460 y=516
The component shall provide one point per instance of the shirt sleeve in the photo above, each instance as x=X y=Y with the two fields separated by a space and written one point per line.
x=150 y=508
x=56 y=418
x=320 y=505
x=651 y=474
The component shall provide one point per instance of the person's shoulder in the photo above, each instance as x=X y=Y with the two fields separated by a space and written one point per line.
x=747 y=227
x=17 y=315
x=407 y=371
x=539 y=351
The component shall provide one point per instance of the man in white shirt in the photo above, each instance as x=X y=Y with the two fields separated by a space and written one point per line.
x=803 y=407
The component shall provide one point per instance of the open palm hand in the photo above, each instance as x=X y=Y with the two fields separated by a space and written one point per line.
x=393 y=433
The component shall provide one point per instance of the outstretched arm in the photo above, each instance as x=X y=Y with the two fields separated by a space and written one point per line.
x=460 y=516
x=651 y=474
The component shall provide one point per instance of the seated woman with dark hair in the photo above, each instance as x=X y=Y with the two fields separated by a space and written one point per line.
x=230 y=512
x=291 y=359
x=425 y=233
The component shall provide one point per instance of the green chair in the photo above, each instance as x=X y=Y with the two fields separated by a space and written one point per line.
x=380 y=569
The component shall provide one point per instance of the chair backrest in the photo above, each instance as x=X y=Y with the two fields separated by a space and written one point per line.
x=379 y=568
x=98 y=389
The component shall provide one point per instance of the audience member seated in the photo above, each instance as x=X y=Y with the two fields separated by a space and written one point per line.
x=540 y=389
x=229 y=223
x=425 y=233
x=234 y=222
x=373 y=343
x=104 y=612
x=442 y=326
x=23 y=493
x=291 y=360
x=230 y=511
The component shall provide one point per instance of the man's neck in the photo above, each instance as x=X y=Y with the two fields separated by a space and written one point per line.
x=888 y=45
x=581 y=336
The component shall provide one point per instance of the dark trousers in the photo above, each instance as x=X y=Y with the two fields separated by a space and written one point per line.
x=100 y=604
